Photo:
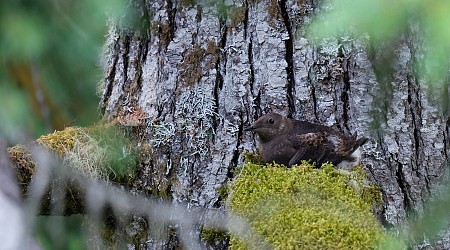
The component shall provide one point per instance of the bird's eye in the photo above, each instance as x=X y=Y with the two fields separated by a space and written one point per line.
x=270 y=120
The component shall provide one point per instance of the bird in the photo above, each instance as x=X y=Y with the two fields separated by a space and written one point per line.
x=288 y=141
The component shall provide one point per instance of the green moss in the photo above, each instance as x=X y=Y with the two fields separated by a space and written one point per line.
x=212 y=236
x=303 y=206
x=102 y=152
x=60 y=141
x=356 y=179
x=188 y=3
x=223 y=192
x=251 y=157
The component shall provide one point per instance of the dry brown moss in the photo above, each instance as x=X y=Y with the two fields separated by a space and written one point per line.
x=191 y=67
x=164 y=32
x=237 y=16
x=20 y=157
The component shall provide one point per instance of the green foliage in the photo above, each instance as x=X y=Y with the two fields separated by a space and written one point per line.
x=386 y=21
x=222 y=9
x=122 y=156
x=380 y=19
x=212 y=235
x=433 y=221
x=251 y=157
x=307 y=207
x=60 y=232
x=228 y=11
x=222 y=192
x=15 y=113
x=49 y=62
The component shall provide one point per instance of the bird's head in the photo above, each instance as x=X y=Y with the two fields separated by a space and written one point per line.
x=270 y=126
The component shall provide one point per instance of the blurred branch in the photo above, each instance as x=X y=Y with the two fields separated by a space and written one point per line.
x=13 y=233
x=27 y=77
x=26 y=169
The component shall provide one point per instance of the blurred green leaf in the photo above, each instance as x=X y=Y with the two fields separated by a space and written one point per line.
x=387 y=21
x=23 y=35
x=381 y=19
x=61 y=232
x=16 y=116
x=50 y=54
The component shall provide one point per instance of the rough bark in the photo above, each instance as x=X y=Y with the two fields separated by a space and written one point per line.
x=200 y=78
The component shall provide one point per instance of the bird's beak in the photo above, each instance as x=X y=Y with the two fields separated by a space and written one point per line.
x=249 y=128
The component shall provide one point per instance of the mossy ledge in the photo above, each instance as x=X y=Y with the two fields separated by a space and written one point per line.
x=97 y=153
x=307 y=208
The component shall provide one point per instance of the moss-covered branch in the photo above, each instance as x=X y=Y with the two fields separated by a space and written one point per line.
x=98 y=153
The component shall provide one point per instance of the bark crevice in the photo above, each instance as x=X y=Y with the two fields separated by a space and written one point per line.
x=401 y=185
x=314 y=101
x=236 y=154
x=171 y=13
x=312 y=88
x=346 y=88
x=109 y=79
x=256 y=98
x=145 y=27
x=446 y=142
x=144 y=45
x=413 y=105
x=289 y=45
x=246 y=19
x=221 y=60
x=138 y=82
x=125 y=58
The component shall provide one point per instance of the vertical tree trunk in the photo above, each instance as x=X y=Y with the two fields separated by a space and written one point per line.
x=200 y=76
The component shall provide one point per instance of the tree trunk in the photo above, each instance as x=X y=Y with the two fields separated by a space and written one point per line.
x=201 y=72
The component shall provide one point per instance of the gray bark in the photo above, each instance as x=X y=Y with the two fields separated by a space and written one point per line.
x=200 y=79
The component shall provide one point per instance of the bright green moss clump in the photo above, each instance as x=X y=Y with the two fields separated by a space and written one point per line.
x=61 y=141
x=305 y=208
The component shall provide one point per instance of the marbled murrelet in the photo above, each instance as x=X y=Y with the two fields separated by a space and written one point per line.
x=289 y=141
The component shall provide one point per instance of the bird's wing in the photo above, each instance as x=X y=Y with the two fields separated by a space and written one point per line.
x=309 y=140
x=332 y=145
x=338 y=142
x=310 y=146
x=299 y=155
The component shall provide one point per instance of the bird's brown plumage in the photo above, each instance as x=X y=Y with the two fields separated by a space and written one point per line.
x=288 y=141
